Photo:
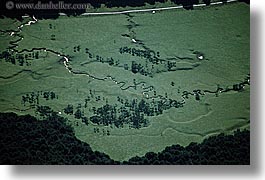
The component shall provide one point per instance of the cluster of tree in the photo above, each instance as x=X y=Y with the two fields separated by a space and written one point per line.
x=93 y=96
x=138 y=68
x=25 y=140
x=99 y=58
x=108 y=60
x=197 y=93
x=45 y=111
x=33 y=97
x=132 y=113
x=20 y=59
x=104 y=132
x=108 y=115
x=152 y=57
x=79 y=114
x=156 y=67
x=69 y=109
x=238 y=87
x=135 y=67
x=170 y=65
x=77 y=48
x=241 y=86
x=216 y=150
x=49 y=95
x=53 y=37
x=9 y=58
x=51 y=26
x=136 y=52
x=54 y=13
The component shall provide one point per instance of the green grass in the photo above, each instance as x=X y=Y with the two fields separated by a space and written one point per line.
x=221 y=33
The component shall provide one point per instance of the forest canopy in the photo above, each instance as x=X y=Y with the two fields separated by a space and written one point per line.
x=26 y=140
x=54 y=13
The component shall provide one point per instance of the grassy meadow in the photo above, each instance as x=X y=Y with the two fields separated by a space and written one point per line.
x=220 y=34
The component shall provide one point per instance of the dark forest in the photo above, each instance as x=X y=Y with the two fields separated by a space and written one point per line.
x=26 y=140
x=54 y=13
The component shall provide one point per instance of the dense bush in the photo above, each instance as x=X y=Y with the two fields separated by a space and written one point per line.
x=25 y=140
x=54 y=13
x=216 y=150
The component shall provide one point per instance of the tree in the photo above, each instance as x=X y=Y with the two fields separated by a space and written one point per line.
x=85 y=120
x=134 y=67
x=37 y=55
x=52 y=95
x=69 y=109
x=78 y=114
x=12 y=60
x=95 y=119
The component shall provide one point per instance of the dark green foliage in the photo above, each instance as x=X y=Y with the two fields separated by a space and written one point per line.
x=54 y=13
x=85 y=120
x=238 y=87
x=25 y=140
x=197 y=97
x=137 y=67
x=21 y=62
x=32 y=99
x=135 y=52
x=12 y=60
x=69 y=109
x=107 y=115
x=170 y=65
x=44 y=111
x=37 y=55
x=46 y=95
x=132 y=113
x=216 y=150
x=16 y=58
x=78 y=114
x=52 y=95
x=5 y=55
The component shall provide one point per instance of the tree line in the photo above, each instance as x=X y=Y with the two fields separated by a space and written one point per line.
x=132 y=113
x=216 y=150
x=26 y=140
x=33 y=99
x=20 y=59
x=54 y=13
